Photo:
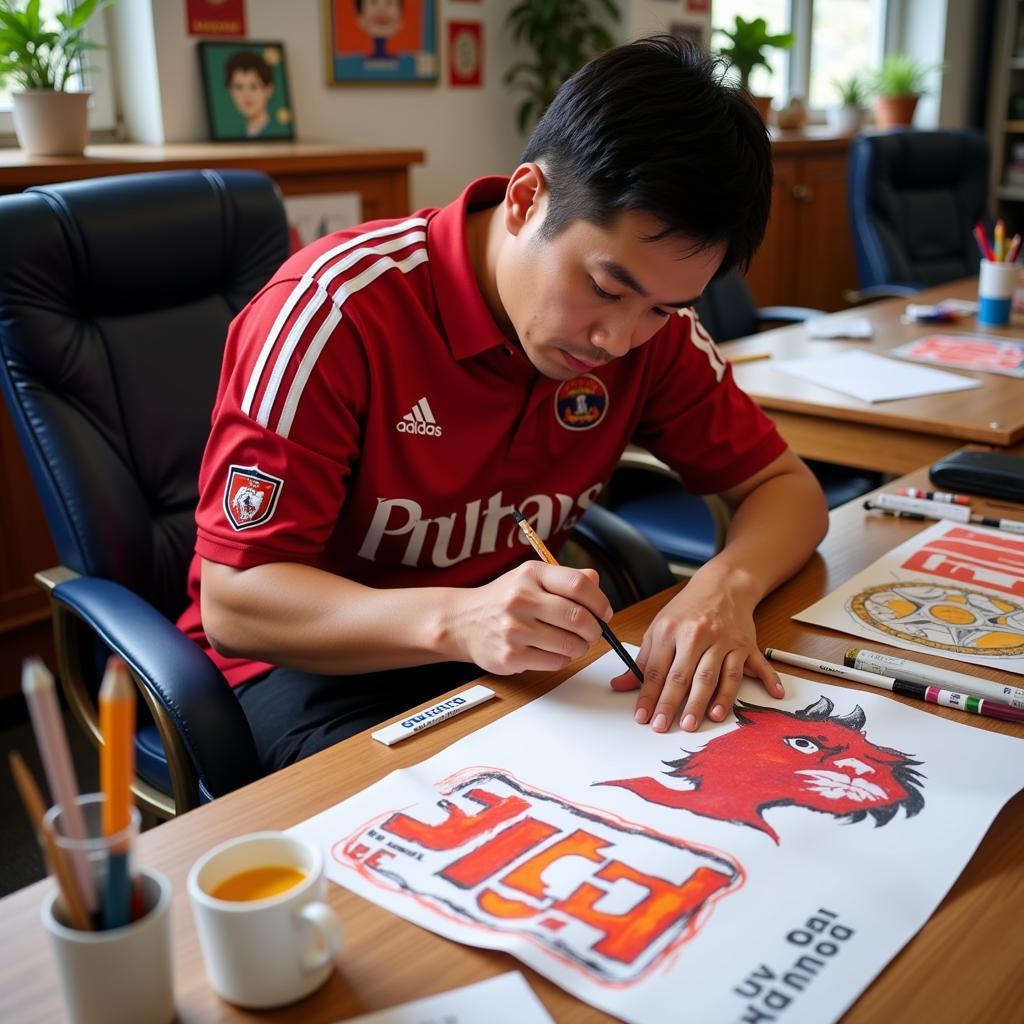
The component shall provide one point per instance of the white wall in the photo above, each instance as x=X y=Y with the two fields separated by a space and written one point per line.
x=464 y=132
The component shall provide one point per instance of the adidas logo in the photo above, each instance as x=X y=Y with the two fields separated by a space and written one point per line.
x=419 y=421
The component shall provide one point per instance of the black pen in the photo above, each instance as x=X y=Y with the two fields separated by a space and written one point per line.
x=542 y=549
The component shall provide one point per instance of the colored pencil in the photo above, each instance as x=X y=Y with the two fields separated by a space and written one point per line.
x=71 y=897
x=752 y=357
x=542 y=549
x=952 y=499
x=982 y=239
x=1011 y=256
x=117 y=764
x=44 y=709
x=1000 y=235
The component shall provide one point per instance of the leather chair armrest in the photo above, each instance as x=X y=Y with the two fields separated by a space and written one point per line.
x=625 y=550
x=198 y=717
x=787 y=314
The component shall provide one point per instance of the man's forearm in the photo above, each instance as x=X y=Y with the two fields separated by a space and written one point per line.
x=305 y=618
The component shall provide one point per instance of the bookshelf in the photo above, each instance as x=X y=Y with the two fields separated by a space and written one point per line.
x=1006 y=115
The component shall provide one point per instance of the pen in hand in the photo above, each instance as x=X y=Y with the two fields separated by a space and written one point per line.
x=541 y=548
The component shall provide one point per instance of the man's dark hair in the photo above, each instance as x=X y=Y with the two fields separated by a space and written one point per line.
x=653 y=126
x=246 y=60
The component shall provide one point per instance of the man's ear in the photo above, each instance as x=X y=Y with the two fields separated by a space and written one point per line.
x=525 y=197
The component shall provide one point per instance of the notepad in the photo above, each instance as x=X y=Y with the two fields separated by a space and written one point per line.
x=826 y=327
x=873 y=378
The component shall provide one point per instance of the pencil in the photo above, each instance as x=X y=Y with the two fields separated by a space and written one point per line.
x=999 y=236
x=752 y=357
x=542 y=549
x=982 y=239
x=1011 y=256
x=48 y=726
x=74 y=905
x=117 y=724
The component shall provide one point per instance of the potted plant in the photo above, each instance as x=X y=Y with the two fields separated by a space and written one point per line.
x=745 y=51
x=40 y=60
x=853 y=94
x=897 y=85
x=563 y=36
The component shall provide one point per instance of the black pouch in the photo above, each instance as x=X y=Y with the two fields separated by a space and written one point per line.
x=990 y=474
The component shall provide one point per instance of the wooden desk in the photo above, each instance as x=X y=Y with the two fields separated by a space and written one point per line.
x=893 y=437
x=387 y=960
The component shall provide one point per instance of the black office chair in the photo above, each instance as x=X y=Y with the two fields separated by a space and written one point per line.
x=914 y=198
x=690 y=529
x=115 y=300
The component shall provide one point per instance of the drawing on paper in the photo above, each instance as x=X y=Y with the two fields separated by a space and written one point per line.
x=810 y=758
x=946 y=617
x=496 y=854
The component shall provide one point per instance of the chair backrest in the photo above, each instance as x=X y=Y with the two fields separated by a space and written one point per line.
x=727 y=308
x=115 y=299
x=914 y=199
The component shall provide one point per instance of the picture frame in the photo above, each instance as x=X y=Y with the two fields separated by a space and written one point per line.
x=380 y=42
x=245 y=85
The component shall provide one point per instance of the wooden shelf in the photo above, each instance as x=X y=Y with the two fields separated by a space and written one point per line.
x=1013 y=193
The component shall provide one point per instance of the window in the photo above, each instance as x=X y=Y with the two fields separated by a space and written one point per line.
x=98 y=78
x=834 y=38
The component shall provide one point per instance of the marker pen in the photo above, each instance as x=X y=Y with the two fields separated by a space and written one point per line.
x=440 y=712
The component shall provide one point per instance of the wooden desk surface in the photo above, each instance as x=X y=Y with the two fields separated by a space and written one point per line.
x=964 y=965
x=897 y=436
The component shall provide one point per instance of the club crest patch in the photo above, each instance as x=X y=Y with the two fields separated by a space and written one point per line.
x=581 y=403
x=250 y=496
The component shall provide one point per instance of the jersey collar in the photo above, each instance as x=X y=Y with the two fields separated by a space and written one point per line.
x=468 y=324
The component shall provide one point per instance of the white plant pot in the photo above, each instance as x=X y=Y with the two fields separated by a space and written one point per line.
x=49 y=122
x=845 y=120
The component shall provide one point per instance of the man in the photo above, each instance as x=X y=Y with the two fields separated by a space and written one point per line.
x=396 y=388
x=250 y=82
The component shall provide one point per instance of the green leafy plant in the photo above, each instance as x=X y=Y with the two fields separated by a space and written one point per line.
x=853 y=91
x=902 y=75
x=747 y=42
x=35 y=55
x=563 y=35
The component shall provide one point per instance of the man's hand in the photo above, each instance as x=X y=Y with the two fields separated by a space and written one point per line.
x=694 y=655
x=537 y=616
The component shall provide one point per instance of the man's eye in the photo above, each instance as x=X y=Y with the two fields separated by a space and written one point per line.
x=802 y=743
x=601 y=293
x=661 y=312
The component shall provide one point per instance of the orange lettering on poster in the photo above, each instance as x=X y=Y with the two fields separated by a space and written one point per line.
x=458 y=827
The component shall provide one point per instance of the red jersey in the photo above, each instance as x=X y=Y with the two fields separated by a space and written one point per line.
x=373 y=421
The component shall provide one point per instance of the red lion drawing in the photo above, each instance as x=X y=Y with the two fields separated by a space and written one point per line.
x=807 y=758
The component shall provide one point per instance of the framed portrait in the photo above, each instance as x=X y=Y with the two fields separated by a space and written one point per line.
x=246 y=90
x=370 y=42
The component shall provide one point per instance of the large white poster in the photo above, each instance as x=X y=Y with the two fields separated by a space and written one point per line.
x=952 y=590
x=768 y=865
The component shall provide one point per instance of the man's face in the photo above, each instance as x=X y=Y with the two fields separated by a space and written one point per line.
x=591 y=294
x=249 y=92
x=381 y=19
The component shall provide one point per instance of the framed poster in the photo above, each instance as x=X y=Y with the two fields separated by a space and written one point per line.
x=465 y=53
x=370 y=42
x=215 y=17
x=246 y=90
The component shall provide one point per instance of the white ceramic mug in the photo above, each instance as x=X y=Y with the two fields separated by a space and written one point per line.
x=119 y=976
x=264 y=952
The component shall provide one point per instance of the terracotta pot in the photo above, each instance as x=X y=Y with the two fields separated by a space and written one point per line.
x=894 y=111
x=50 y=122
x=763 y=105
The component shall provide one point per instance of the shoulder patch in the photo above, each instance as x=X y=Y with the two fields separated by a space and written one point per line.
x=250 y=496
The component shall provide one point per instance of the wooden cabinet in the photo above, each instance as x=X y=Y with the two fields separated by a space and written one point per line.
x=807 y=256
x=380 y=178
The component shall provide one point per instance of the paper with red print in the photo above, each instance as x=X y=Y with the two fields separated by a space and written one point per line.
x=770 y=864
x=991 y=355
x=953 y=590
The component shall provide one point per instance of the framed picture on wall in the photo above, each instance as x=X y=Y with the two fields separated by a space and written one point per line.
x=369 y=42
x=246 y=90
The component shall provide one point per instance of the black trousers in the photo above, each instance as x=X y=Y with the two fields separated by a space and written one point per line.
x=294 y=714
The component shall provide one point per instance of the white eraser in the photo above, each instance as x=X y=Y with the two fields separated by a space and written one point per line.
x=441 y=712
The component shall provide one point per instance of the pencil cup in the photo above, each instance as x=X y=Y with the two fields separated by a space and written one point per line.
x=267 y=937
x=996 y=283
x=119 y=976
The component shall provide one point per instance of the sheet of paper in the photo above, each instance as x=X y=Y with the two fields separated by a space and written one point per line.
x=873 y=378
x=952 y=590
x=774 y=861
x=840 y=327
x=506 y=999
x=989 y=355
